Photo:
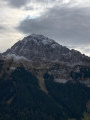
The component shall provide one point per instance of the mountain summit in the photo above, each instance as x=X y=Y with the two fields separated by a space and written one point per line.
x=38 y=47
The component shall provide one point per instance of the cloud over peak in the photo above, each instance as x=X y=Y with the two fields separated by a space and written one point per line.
x=18 y=3
x=69 y=25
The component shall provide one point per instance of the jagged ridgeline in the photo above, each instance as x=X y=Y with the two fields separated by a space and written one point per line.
x=42 y=80
x=38 y=47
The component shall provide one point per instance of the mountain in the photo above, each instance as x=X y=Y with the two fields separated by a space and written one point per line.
x=42 y=80
x=38 y=47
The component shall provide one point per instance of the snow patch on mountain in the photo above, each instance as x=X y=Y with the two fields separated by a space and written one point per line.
x=47 y=41
x=61 y=80
x=55 y=45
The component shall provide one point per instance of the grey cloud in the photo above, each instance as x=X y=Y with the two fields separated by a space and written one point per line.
x=66 y=25
x=28 y=8
x=20 y=3
x=2 y=28
x=87 y=50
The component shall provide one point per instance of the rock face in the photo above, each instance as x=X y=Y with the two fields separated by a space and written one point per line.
x=38 y=47
x=40 y=54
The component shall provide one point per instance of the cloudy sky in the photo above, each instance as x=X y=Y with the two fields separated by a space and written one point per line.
x=66 y=21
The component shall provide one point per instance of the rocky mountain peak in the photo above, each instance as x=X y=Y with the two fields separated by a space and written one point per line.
x=38 y=47
x=39 y=39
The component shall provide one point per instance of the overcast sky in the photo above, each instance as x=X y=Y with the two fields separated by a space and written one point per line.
x=65 y=21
